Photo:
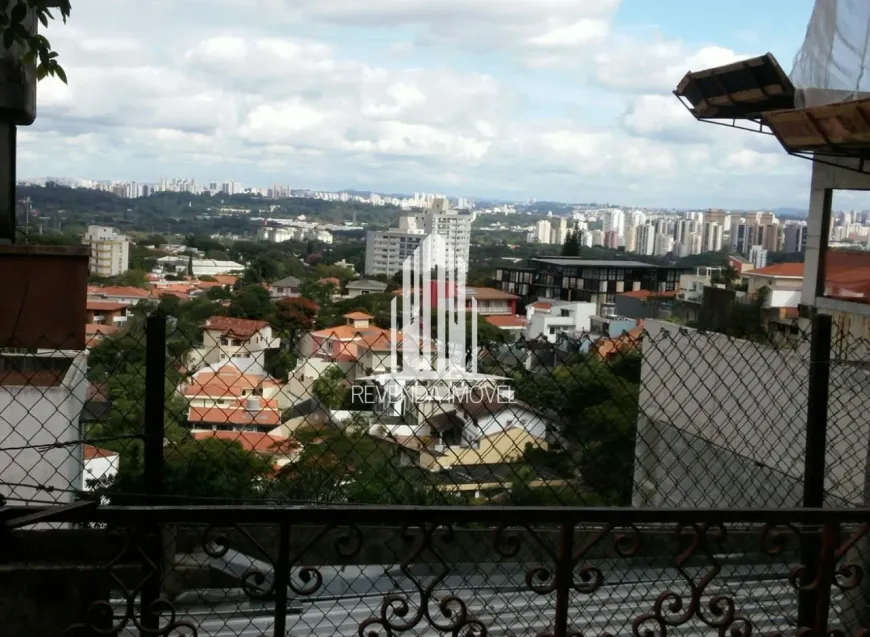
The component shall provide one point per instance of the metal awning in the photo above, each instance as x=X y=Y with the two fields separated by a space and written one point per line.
x=742 y=90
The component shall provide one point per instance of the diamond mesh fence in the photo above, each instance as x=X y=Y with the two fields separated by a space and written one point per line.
x=205 y=423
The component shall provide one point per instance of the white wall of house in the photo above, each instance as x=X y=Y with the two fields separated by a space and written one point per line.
x=217 y=347
x=783 y=298
x=99 y=468
x=513 y=416
x=723 y=423
x=550 y=324
x=36 y=415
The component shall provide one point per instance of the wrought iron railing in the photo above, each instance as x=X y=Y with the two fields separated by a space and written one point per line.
x=470 y=571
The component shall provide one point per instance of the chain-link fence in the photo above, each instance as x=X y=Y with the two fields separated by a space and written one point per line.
x=206 y=411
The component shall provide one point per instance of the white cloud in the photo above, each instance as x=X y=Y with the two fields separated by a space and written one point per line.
x=220 y=90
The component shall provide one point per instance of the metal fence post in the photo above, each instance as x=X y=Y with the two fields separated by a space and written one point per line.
x=564 y=579
x=155 y=404
x=814 y=456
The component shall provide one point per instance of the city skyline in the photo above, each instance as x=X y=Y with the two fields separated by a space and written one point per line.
x=549 y=100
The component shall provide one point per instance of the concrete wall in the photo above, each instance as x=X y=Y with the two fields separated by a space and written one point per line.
x=723 y=423
x=32 y=415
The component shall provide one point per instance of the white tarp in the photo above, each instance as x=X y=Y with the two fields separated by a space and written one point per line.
x=832 y=65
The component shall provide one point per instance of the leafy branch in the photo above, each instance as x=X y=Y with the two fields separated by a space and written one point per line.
x=37 y=49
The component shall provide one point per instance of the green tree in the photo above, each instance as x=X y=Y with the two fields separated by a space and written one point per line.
x=331 y=388
x=319 y=293
x=251 y=302
x=218 y=293
x=37 y=48
x=727 y=276
x=571 y=247
x=210 y=468
x=132 y=278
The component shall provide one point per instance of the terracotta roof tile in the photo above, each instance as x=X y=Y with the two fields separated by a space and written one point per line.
x=243 y=328
x=794 y=270
x=358 y=316
x=492 y=294
x=90 y=452
x=506 y=321
x=96 y=328
x=94 y=305
x=249 y=440
x=117 y=290
x=645 y=294
x=541 y=305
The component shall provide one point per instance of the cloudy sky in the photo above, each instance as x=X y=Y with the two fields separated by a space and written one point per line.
x=554 y=99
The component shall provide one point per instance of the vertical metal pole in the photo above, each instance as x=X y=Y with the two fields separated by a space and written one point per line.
x=155 y=403
x=814 y=456
x=564 y=578
x=8 y=133
x=282 y=580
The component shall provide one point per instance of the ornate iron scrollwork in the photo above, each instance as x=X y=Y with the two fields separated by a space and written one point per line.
x=671 y=609
x=101 y=617
x=216 y=544
x=396 y=614
x=850 y=575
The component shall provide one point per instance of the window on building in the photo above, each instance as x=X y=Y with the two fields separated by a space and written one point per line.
x=566 y=313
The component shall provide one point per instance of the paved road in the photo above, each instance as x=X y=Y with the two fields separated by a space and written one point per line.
x=496 y=595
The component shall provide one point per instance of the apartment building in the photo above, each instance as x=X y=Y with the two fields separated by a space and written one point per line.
x=387 y=250
x=586 y=280
x=110 y=251
x=795 y=237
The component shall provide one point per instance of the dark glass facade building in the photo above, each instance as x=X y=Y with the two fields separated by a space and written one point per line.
x=592 y=281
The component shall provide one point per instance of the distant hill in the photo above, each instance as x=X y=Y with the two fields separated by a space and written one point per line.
x=791 y=212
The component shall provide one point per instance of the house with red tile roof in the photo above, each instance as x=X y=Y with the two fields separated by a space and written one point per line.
x=118 y=293
x=234 y=395
x=100 y=466
x=512 y=324
x=104 y=317
x=358 y=348
x=95 y=333
x=782 y=282
x=226 y=338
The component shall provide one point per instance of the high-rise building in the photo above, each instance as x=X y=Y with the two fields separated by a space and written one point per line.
x=681 y=229
x=110 y=251
x=646 y=238
x=795 y=237
x=773 y=237
x=614 y=221
x=637 y=218
x=597 y=237
x=558 y=231
x=543 y=231
x=586 y=239
x=721 y=217
x=387 y=250
x=611 y=239
x=758 y=256
x=661 y=226
x=631 y=239
x=663 y=244
x=712 y=237
x=694 y=243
